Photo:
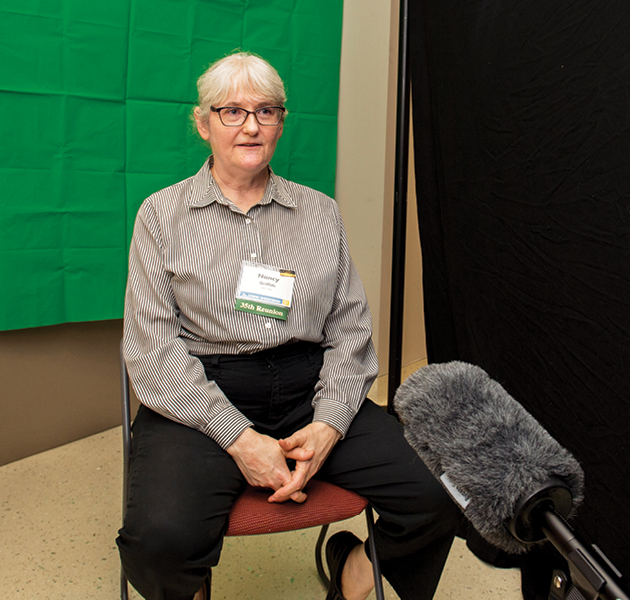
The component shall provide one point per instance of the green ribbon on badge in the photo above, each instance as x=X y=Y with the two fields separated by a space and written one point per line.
x=263 y=310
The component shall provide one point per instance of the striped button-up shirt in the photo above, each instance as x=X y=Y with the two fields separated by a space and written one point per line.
x=188 y=248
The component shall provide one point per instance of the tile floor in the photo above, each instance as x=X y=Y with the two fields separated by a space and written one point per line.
x=60 y=511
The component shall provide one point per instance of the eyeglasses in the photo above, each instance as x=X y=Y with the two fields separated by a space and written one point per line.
x=233 y=116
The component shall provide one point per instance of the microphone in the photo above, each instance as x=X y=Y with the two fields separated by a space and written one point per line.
x=514 y=482
x=487 y=450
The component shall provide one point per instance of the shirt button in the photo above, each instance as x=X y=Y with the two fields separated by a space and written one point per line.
x=253 y=255
x=248 y=221
x=268 y=325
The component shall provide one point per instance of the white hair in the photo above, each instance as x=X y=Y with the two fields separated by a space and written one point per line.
x=238 y=73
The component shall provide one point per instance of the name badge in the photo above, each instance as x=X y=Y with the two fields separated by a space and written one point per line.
x=265 y=290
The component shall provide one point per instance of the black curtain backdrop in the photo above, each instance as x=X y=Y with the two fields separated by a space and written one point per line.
x=521 y=125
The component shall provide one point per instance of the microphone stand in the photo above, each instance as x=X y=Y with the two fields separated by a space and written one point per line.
x=593 y=576
x=541 y=515
x=399 y=233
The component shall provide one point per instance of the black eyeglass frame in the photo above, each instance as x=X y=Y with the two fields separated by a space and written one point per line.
x=218 y=110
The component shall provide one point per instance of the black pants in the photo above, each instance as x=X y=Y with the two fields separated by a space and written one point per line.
x=182 y=484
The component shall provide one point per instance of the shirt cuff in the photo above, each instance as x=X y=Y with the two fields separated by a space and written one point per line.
x=227 y=426
x=334 y=413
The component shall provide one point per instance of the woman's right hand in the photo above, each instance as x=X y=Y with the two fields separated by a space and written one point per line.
x=263 y=463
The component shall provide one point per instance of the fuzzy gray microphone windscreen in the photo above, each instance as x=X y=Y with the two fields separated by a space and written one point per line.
x=488 y=451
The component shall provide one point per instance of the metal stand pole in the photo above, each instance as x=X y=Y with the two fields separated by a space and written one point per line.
x=400 y=209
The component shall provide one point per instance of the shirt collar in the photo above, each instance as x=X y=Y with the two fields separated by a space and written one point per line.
x=204 y=189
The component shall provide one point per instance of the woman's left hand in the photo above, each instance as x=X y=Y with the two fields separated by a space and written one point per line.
x=318 y=437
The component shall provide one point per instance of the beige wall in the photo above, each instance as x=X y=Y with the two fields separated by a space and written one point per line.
x=364 y=149
x=414 y=343
x=365 y=168
x=61 y=383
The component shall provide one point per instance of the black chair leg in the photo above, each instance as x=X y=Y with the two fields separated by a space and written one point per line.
x=124 y=591
x=318 y=556
x=126 y=435
x=376 y=567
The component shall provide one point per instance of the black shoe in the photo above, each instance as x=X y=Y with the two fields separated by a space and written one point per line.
x=338 y=548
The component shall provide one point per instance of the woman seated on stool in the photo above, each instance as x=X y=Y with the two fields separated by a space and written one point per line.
x=248 y=342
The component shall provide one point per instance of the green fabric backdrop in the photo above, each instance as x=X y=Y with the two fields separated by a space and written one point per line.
x=95 y=100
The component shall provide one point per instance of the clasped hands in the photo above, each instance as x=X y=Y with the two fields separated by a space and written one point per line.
x=263 y=459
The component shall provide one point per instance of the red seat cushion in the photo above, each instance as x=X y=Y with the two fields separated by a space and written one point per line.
x=327 y=503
